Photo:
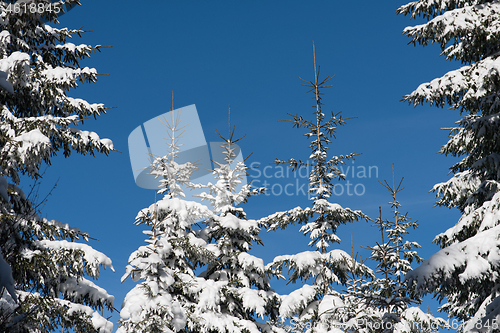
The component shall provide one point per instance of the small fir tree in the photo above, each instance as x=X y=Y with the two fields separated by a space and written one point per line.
x=166 y=298
x=390 y=295
x=385 y=302
x=324 y=268
x=236 y=290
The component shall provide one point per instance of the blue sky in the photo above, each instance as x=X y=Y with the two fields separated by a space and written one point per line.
x=250 y=54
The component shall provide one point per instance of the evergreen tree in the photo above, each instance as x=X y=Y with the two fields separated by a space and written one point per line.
x=393 y=256
x=389 y=294
x=167 y=297
x=323 y=267
x=50 y=287
x=236 y=289
x=187 y=237
x=384 y=302
x=466 y=271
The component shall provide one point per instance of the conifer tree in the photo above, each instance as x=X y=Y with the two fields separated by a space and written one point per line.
x=236 y=287
x=166 y=298
x=466 y=271
x=385 y=302
x=50 y=268
x=322 y=267
x=389 y=294
x=393 y=256
x=186 y=238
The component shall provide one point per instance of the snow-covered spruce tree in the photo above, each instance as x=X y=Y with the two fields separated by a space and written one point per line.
x=236 y=295
x=389 y=295
x=384 y=302
x=167 y=297
x=50 y=269
x=466 y=271
x=322 y=267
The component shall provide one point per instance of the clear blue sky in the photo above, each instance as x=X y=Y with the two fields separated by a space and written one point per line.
x=249 y=54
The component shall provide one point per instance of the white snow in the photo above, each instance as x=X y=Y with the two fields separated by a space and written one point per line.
x=248 y=262
x=93 y=257
x=253 y=300
x=107 y=143
x=15 y=58
x=210 y=295
x=328 y=303
x=78 y=289
x=33 y=137
x=476 y=256
x=66 y=75
x=100 y=323
x=296 y=300
x=486 y=216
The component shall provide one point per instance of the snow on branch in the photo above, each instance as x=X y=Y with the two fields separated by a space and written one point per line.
x=309 y=264
x=81 y=290
x=456 y=191
x=432 y=8
x=472 y=88
x=93 y=257
x=101 y=324
x=485 y=217
x=282 y=219
x=456 y=26
x=475 y=259
x=297 y=300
